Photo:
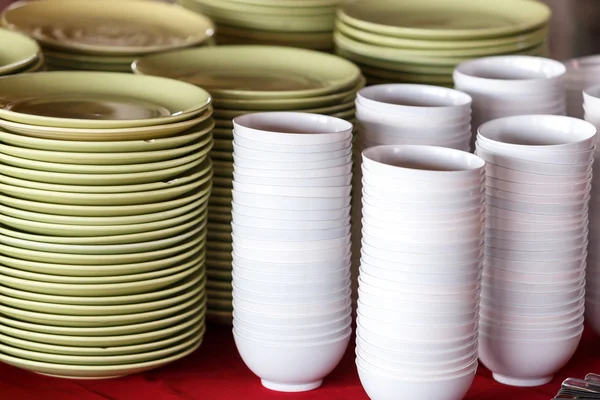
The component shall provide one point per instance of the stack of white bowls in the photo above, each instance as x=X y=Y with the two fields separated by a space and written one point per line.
x=420 y=273
x=582 y=73
x=291 y=246
x=538 y=179
x=591 y=107
x=504 y=86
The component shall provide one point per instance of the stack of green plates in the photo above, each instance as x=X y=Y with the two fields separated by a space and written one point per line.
x=18 y=53
x=296 y=23
x=243 y=80
x=104 y=187
x=105 y=35
x=416 y=41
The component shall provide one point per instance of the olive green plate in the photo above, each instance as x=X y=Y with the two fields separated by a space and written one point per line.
x=218 y=265
x=222 y=145
x=220 y=317
x=222 y=134
x=17 y=52
x=275 y=8
x=239 y=39
x=231 y=114
x=213 y=295
x=93 y=371
x=408 y=78
x=105 y=183
x=64 y=65
x=258 y=35
x=103 y=331
x=166 y=273
x=151 y=132
x=101 y=250
x=222 y=285
x=220 y=201
x=255 y=72
x=201 y=146
x=445 y=19
x=217 y=275
x=104 y=270
x=88 y=58
x=510 y=43
x=97 y=199
x=219 y=304
x=130 y=27
x=292 y=104
x=292 y=3
x=74 y=99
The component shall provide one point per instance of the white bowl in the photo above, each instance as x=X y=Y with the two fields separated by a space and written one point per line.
x=536 y=208
x=423 y=259
x=272 y=216
x=391 y=194
x=257 y=221
x=536 y=256
x=294 y=191
x=400 y=267
x=534 y=311
x=546 y=231
x=378 y=219
x=538 y=133
x=298 y=277
x=500 y=213
x=384 y=235
x=376 y=282
x=400 y=243
x=291 y=322
x=415 y=319
x=411 y=129
x=291 y=166
x=409 y=185
x=530 y=320
x=513 y=74
x=307 y=173
x=290 y=299
x=292 y=331
x=493 y=272
x=280 y=289
x=509 y=325
x=267 y=244
x=291 y=368
x=524 y=363
x=292 y=128
x=495 y=171
x=464 y=297
x=532 y=154
x=458 y=144
x=290 y=203
x=591 y=97
x=421 y=277
x=423 y=207
x=537 y=267
x=417 y=333
x=416 y=100
x=385 y=387
x=463 y=304
x=533 y=288
x=423 y=162
x=289 y=148
x=275 y=337
x=539 y=190
x=493 y=106
x=270 y=156
x=414 y=357
x=519 y=245
x=278 y=235
x=432 y=217
x=342 y=180
x=525 y=198
x=371 y=115
x=288 y=266
x=532 y=299
x=296 y=256
x=532 y=335
x=292 y=311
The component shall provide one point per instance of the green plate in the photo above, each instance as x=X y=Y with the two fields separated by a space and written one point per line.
x=63 y=65
x=110 y=249
x=145 y=133
x=222 y=156
x=202 y=146
x=105 y=183
x=105 y=270
x=188 y=281
x=131 y=27
x=98 y=99
x=231 y=114
x=291 y=3
x=88 y=58
x=512 y=43
x=219 y=304
x=215 y=275
x=239 y=39
x=93 y=371
x=223 y=134
x=220 y=201
x=150 y=327
x=408 y=78
x=272 y=9
x=17 y=52
x=101 y=280
x=191 y=135
x=445 y=19
x=219 y=285
x=222 y=145
x=213 y=295
x=259 y=35
x=97 y=199
x=292 y=104
x=255 y=72
x=220 y=317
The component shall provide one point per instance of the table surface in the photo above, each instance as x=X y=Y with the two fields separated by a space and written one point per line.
x=216 y=372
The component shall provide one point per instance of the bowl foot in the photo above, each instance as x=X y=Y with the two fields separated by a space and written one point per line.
x=507 y=380
x=288 y=387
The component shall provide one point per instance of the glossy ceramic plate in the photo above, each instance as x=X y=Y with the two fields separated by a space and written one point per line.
x=84 y=99
x=108 y=27
x=445 y=19
x=290 y=3
x=254 y=72
x=17 y=52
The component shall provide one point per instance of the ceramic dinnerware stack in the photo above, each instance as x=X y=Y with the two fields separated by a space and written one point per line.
x=105 y=35
x=244 y=80
x=504 y=86
x=297 y=23
x=420 y=271
x=103 y=201
x=18 y=54
x=538 y=179
x=582 y=73
x=591 y=108
x=414 y=41
x=291 y=246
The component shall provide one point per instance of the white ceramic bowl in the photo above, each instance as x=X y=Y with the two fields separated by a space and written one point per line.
x=458 y=144
x=289 y=148
x=278 y=235
x=390 y=194
x=297 y=333
x=290 y=203
x=495 y=106
x=400 y=267
x=341 y=180
x=378 y=220
x=388 y=235
x=309 y=217
x=535 y=288
x=507 y=325
x=291 y=368
x=518 y=245
x=591 y=98
x=536 y=208
x=297 y=277
x=292 y=128
x=409 y=185
x=288 y=266
x=532 y=299
x=423 y=259
x=536 y=256
x=416 y=100
x=524 y=363
x=291 y=299
x=280 y=289
x=423 y=162
x=413 y=305
x=532 y=154
x=293 y=191
x=386 y=387
x=539 y=190
x=368 y=115
x=376 y=282
x=496 y=171
x=307 y=173
x=268 y=244
x=422 y=278
x=546 y=231
x=416 y=319
x=291 y=166
x=423 y=207
x=257 y=221
x=500 y=213
x=537 y=267
x=532 y=321
x=526 y=198
x=400 y=243
x=533 y=278
x=291 y=322
x=514 y=74
x=534 y=310
x=410 y=128
x=431 y=217
x=292 y=311
x=270 y=156
x=417 y=333
x=465 y=297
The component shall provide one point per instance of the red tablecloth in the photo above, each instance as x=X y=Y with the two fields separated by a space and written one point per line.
x=216 y=372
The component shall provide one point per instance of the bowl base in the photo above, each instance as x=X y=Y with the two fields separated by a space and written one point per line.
x=290 y=387
x=507 y=380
